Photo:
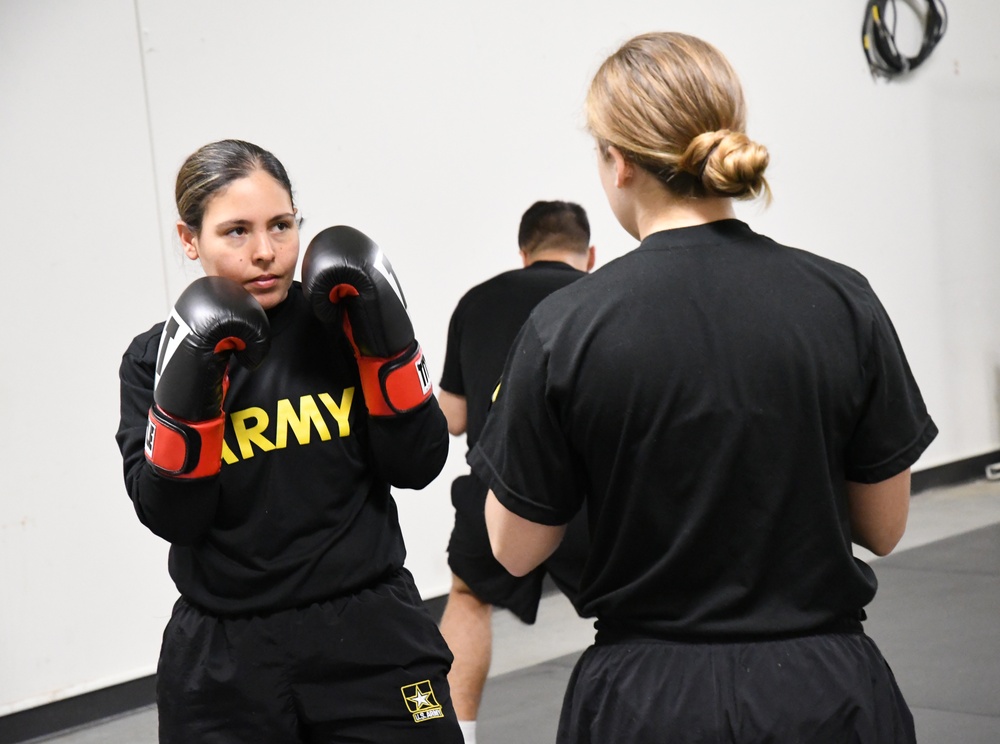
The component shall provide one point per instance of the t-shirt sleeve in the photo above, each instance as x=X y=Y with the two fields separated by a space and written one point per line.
x=451 y=375
x=894 y=428
x=523 y=453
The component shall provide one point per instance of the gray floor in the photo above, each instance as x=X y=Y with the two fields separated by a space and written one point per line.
x=936 y=618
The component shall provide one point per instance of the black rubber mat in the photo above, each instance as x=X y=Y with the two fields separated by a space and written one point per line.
x=936 y=618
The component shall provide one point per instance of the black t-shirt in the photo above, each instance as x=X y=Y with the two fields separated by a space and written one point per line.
x=301 y=510
x=485 y=324
x=710 y=392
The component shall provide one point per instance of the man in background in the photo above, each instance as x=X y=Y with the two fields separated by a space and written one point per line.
x=554 y=242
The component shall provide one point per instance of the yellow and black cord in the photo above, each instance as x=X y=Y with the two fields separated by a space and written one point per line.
x=879 y=42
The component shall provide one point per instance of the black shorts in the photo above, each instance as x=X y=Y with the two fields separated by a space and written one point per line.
x=371 y=667
x=470 y=556
x=823 y=689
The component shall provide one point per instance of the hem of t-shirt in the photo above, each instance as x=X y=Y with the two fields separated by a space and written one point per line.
x=276 y=602
x=508 y=497
x=448 y=388
x=898 y=462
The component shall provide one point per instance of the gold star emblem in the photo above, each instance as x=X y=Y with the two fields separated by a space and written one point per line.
x=420 y=701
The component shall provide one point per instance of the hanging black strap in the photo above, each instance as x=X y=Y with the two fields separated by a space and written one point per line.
x=879 y=41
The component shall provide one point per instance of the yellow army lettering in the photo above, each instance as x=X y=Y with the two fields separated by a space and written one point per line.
x=248 y=425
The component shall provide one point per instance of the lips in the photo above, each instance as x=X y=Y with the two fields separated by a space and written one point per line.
x=264 y=281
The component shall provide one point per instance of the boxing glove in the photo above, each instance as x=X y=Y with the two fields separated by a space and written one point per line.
x=347 y=277
x=214 y=319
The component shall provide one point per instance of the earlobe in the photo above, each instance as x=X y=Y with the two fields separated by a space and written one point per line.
x=188 y=240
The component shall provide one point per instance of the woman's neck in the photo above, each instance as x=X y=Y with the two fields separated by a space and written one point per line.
x=655 y=208
x=674 y=213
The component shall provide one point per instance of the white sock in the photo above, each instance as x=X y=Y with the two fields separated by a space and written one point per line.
x=468 y=731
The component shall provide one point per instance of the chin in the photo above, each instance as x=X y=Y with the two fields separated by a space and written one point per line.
x=272 y=298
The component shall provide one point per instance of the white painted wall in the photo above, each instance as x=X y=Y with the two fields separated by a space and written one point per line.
x=431 y=126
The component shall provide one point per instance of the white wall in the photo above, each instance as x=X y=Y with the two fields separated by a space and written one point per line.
x=431 y=126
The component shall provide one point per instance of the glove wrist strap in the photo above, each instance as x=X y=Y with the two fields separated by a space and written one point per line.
x=395 y=386
x=184 y=449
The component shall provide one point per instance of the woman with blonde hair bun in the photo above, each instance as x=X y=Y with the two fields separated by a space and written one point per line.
x=733 y=414
x=672 y=105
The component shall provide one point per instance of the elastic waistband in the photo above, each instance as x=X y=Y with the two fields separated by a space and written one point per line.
x=610 y=634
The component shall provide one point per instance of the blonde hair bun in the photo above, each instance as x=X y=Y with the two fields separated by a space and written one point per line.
x=727 y=163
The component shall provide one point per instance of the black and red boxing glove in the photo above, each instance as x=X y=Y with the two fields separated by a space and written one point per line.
x=214 y=319
x=343 y=269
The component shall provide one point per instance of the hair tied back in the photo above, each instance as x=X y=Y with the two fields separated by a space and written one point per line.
x=720 y=136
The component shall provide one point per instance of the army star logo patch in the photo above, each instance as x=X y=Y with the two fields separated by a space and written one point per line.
x=420 y=701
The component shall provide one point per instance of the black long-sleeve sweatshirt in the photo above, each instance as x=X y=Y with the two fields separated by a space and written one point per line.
x=301 y=510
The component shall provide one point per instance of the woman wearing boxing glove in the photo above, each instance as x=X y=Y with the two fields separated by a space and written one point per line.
x=252 y=444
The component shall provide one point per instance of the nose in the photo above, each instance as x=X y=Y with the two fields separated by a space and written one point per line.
x=263 y=250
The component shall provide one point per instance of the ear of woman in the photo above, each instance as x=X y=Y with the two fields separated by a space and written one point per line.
x=187 y=238
x=624 y=170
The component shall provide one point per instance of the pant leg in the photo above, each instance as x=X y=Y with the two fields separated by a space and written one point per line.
x=374 y=669
x=221 y=681
x=826 y=689
x=471 y=559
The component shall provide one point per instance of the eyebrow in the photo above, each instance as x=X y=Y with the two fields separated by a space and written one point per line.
x=233 y=223
x=229 y=224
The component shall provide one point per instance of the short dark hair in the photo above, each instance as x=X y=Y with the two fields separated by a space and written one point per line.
x=554 y=224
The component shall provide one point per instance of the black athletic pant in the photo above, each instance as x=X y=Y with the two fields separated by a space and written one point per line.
x=371 y=667
x=823 y=689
